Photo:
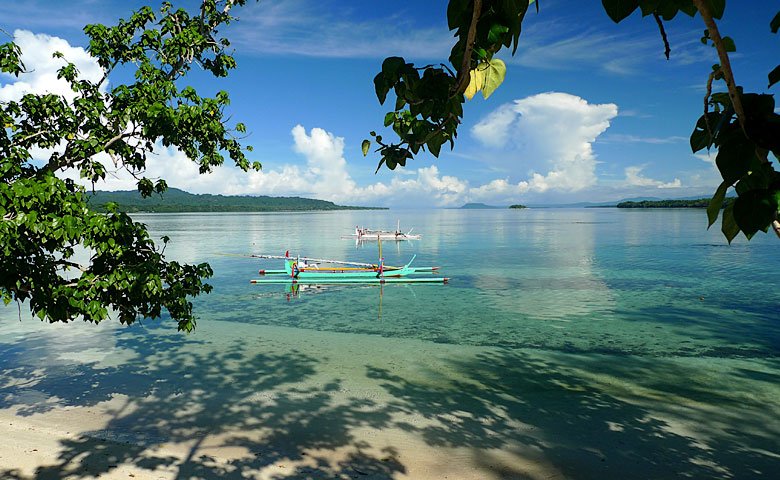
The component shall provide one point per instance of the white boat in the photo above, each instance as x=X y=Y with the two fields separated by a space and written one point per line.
x=364 y=234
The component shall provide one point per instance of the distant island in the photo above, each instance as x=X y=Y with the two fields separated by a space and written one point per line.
x=482 y=206
x=175 y=200
x=696 y=203
x=477 y=206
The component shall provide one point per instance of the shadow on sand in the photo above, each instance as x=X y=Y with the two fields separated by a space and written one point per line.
x=515 y=413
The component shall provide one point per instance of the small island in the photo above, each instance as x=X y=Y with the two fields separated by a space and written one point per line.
x=517 y=206
x=179 y=201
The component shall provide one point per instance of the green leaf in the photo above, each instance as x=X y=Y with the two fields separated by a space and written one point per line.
x=774 y=76
x=716 y=203
x=365 y=146
x=687 y=7
x=667 y=9
x=619 y=9
x=496 y=32
x=701 y=138
x=775 y=23
x=494 y=76
x=648 y=6
x=729 y=226
x=381 y=88
x=736 y=154
x=754 y=211
x=458 y=13
x=729 y=45
x=717 y=7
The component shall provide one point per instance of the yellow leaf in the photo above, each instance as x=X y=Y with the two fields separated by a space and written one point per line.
x=493 y=76
x=476 y=81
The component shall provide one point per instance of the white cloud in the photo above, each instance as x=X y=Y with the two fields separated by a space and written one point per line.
x=41 y=67
x=634 y=178
x=553 y=132
x=296 y=27
x=624 y=138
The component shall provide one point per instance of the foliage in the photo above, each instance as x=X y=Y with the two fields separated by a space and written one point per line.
x=176 y=200
x=697 y=203
x=744 y=127
x=45 y=219
x=518 y=206
x=429 y=99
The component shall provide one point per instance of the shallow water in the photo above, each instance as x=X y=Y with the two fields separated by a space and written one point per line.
x=635 y=334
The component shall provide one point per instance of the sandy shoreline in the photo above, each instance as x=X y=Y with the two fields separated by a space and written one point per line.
x=40 y=450
x=276 y=402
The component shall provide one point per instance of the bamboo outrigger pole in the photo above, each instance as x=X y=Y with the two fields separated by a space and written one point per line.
x=321 y=260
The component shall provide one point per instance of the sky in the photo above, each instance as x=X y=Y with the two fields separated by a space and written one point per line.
x=589 y=110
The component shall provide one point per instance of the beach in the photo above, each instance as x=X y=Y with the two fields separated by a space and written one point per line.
x=292 y=404
x=603 y=345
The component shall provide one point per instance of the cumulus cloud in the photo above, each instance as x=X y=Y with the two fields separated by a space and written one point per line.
x=324 y=175
x=634 y=178
x=552 y=132
x=41 y=67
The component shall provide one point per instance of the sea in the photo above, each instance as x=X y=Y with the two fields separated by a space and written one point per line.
x=595 y=342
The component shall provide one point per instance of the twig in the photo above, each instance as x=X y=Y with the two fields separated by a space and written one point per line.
x=707 y=96
x=667 y=48
x=29 y=137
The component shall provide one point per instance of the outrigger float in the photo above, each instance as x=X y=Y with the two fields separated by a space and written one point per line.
x=322 y=271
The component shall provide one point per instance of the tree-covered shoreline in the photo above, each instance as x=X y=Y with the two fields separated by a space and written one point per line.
x=179 y=201
x=696 y=203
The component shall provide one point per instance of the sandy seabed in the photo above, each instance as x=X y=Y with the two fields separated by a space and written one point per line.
x=247 y=401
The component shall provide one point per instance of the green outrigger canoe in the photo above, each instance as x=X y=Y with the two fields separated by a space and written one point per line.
x=300 y=270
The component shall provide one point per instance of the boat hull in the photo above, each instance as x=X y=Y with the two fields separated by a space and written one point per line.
x=348 y=280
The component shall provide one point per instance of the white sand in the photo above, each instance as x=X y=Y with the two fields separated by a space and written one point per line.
x=376 y=408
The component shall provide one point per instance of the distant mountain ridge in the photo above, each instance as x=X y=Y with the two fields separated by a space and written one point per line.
x=175 y=200
x=478 y=206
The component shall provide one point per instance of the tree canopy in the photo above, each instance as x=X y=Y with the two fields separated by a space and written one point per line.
x=45 y=218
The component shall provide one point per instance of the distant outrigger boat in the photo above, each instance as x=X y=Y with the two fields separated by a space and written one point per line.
x=323 y=271
x=363 y=234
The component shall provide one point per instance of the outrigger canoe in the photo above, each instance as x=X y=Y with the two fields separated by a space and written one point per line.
x=310 y=270
x=362 y=234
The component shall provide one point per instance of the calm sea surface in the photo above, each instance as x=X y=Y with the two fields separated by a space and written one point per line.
x=604 y=326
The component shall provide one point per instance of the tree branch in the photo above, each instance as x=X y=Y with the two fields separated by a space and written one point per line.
x=29 y=137
x=725 y=64
x=465 y=66
x=67 y=263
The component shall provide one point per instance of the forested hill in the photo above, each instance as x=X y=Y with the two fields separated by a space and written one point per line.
x=696 y=203
x=175 y=200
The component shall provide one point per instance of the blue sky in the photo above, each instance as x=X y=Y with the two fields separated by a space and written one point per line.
x=589 y=111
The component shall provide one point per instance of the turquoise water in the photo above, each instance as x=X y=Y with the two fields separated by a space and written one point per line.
x=600 y=343
x=590 y=280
